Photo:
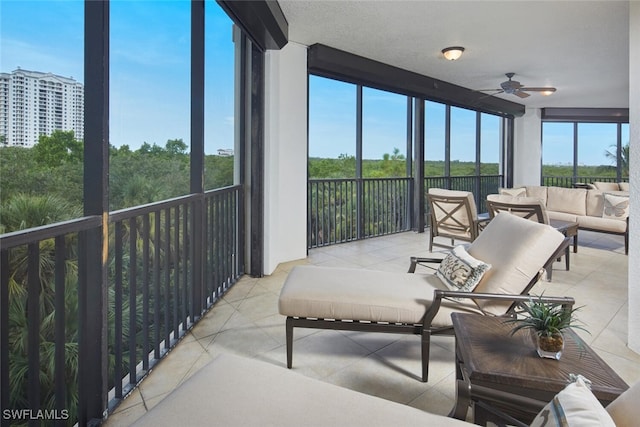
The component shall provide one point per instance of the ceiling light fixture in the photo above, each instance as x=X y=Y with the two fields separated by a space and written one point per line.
x=452 y=53
x=548 y=91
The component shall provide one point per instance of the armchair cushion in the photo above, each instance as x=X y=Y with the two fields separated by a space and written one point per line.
x=516 y=248
x=574 y=406
x=459 y=271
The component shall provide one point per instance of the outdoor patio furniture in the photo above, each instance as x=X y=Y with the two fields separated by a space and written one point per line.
x=453 y=214
x=516 y=249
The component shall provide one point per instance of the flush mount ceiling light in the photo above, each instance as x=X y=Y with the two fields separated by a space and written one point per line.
x=452 y=53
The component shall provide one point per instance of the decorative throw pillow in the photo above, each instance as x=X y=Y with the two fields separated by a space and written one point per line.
x=459 y=271
x=615 y=206
x=574 y=406
x=515 y=192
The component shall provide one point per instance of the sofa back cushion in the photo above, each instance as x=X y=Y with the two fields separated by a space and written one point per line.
x=568 y=200
x=607 y=186
x=538 y=192
x=514 y=192
x=624 y=186
x=595 y=203
x=517 y=250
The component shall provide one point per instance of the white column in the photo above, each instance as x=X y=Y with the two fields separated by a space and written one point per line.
x=527 y=148
x=634 y=176
x=285 y=180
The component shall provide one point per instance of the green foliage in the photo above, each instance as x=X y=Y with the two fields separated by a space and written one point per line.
x=624 y=157
x=544 y=318
x=58 y=148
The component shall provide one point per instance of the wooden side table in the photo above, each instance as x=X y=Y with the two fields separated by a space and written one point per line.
x=505 y=372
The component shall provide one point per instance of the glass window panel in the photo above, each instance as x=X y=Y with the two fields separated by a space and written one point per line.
x=219 y=142
x=149 y=101
x=332 y=128
x=490 y=144
x=463 y=142
x=597 y=150
x=625 y=149
x=434 y=130
x=384 y=134
x=557 y=150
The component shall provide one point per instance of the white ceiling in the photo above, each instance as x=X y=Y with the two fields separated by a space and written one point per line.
x=579 y=47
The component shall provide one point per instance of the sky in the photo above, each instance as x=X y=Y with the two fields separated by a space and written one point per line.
x=149 y=98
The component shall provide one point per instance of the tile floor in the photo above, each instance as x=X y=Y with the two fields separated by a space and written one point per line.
x=246 y=322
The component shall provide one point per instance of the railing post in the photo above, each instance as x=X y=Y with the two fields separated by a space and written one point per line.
x=92 y=257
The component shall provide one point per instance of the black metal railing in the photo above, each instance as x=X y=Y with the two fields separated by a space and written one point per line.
x=571 y=181
x=342 y=210
x=159 y=284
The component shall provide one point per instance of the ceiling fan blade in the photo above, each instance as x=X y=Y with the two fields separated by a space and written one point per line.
x=521 y=94
x=490 y=90
x=539 y=89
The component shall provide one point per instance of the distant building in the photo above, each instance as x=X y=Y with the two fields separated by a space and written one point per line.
x=225 y=152
x=33 y=103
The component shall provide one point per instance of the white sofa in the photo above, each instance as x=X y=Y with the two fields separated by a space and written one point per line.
x=237 y=391
x=605 y=211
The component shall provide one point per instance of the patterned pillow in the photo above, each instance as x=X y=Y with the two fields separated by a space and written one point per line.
x=615 y=207
x=459 y=271
x=573 y=406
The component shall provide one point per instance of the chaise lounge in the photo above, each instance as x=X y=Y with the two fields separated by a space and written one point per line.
x=512 y=253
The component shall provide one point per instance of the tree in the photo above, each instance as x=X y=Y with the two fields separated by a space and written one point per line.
x=176 y=146
x=624 y=158
x=58 y=148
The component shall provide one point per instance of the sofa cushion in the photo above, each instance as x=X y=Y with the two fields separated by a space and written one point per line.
x=539 y=192
x=624 y=186
x=575 y=406
x=602 y=224
x=569 y=200
x=615 y=206
x=607 y=186
x=625 y=410
x=595 y=203
x=459 y=271
x=515 y=192
x=562 y=216
x=523 y=249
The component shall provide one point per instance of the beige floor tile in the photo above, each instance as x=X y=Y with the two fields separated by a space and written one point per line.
x=246 y=322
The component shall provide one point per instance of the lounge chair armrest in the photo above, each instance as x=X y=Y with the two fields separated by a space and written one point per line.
x=423 y=262
x=439 y=295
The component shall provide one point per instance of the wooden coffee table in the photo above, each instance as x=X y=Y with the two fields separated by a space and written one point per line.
x=497 y=370
x=569 y=229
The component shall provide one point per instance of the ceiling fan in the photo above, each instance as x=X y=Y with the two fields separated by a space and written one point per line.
x=513 y=87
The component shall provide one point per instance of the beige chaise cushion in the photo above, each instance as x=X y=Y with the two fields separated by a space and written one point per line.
x=355 y=294
x=237 y=391
x=517 y=249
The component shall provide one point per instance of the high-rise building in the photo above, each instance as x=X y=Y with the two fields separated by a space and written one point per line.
x=33 y=103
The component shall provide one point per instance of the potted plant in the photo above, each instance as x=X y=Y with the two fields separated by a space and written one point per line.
x=546 y=321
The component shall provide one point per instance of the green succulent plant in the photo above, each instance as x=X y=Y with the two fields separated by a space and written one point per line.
x=545 y=319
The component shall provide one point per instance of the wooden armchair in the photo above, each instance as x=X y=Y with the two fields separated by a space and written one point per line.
x=453 y=214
